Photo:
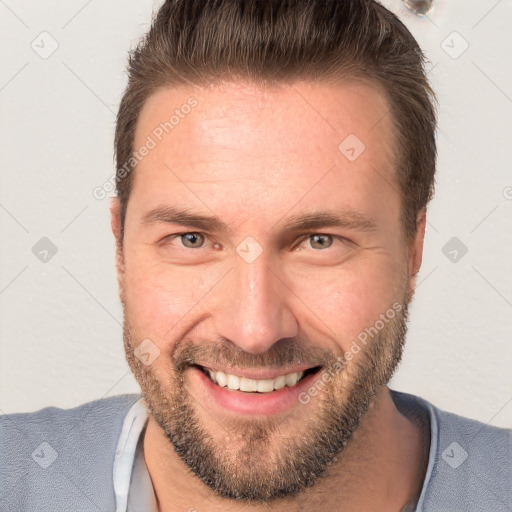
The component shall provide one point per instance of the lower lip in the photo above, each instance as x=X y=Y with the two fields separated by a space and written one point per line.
x=263 y=404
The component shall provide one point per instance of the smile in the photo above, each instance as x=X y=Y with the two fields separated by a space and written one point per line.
x=235 y=383
x=257 y=391
x=252 y=385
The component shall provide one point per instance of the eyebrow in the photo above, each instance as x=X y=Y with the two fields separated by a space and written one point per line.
x=184 y=217
x=349 y=219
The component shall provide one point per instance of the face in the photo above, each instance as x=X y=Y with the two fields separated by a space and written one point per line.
x=263 y=276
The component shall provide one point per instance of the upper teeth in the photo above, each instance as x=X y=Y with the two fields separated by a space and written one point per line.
x=251 y=385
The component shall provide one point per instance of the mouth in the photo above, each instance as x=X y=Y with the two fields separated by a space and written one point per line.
x=251 y=385
x=278 y=392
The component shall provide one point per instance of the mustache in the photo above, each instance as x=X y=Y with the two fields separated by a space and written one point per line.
x=284 y=353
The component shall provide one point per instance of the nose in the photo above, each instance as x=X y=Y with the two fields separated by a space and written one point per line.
x=253 y=310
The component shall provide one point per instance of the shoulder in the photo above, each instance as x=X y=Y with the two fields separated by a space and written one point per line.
x=61 y=455
x=103 y=409
x=470 y=466
x=473 y=464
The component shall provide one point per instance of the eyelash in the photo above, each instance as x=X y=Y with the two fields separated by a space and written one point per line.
x=305 y=237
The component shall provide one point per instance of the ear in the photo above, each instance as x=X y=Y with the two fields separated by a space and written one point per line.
x=115 y=222
x=416 y=247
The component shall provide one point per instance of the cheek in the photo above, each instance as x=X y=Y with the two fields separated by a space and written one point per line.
x=160 y=298
x=352 y=298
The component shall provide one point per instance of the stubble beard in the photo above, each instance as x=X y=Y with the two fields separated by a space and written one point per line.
x=261 y=460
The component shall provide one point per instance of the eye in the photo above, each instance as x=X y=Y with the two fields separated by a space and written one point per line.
x=192 y=240
x=323 y=248
x=319 y=241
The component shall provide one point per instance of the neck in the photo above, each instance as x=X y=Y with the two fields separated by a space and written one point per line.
x=382 y=468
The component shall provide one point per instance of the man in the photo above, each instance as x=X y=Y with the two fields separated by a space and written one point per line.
x=274 y=164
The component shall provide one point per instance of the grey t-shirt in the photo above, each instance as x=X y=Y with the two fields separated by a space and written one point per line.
x=85 y=456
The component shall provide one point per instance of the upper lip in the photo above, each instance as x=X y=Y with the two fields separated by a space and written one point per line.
x=256 y=373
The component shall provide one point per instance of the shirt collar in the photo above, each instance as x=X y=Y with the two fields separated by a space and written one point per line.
x=133 y=425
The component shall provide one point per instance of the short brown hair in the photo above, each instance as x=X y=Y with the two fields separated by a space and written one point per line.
x=274 y=41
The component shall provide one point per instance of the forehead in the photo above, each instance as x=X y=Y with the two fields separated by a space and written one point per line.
x=235 y=140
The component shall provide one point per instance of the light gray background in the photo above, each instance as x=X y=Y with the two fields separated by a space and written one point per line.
x=61 y=337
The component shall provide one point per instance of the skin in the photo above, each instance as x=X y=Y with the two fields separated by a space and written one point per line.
x=253 y=157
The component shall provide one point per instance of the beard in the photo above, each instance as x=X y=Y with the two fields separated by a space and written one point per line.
x=264 y=459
